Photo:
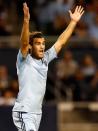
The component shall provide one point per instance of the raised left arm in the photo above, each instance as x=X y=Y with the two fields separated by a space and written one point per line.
x=63 y=38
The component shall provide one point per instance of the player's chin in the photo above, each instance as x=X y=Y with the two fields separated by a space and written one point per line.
x=41 y=55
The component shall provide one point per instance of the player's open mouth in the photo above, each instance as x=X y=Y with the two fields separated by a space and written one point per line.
x=41 y=51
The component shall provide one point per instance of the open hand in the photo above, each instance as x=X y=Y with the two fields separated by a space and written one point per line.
x=76 y=15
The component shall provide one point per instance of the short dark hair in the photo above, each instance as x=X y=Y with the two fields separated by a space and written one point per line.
x=35 y=35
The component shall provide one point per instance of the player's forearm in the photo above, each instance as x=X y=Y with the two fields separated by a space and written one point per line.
x=25 y=32
x=67 y=33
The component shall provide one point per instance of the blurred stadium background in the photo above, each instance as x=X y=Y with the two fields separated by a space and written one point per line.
x=71 y=100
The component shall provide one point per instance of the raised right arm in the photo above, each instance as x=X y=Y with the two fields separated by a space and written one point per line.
x=25 y=31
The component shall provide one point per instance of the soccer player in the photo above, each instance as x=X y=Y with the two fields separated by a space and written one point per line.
x=32 y=67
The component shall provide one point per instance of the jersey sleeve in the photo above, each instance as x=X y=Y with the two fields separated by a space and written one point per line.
x=20 y=59
x=50 y=54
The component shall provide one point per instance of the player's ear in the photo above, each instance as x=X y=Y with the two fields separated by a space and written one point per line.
x=30 y=49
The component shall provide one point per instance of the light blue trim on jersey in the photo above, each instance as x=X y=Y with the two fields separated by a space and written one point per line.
x=32 y=76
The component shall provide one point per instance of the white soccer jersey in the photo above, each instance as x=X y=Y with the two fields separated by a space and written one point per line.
x=32 y=76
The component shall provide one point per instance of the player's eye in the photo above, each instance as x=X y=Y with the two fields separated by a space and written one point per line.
x=43 y=43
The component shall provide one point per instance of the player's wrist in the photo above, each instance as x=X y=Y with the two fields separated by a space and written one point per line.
x=73 y=22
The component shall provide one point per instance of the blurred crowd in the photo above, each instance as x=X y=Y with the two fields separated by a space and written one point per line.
x=8 y=86
x=74 y=80
x=69 y=79
x=51 y=17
